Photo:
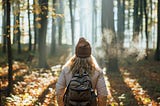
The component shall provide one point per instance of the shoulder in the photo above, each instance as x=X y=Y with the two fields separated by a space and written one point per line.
x=98 y=72
x=65 y=69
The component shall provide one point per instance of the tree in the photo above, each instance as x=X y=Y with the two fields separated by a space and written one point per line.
x=136 y=24
x=10 y=75
x=53 y=42
x=4 y=6
x=141 y=15
x=109 y=32
x=16 y=31
x=94 y=22
x=146 y=26
x=29 y=29
x=121 y=17
x=72 y=23
x=18 y=28
x=16 y=23
x=42 y=34
x=36 y=13
x=60 y=10
x=157 y=53
x=128 y=7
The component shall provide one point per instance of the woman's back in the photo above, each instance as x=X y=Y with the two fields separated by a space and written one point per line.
x=82 y=60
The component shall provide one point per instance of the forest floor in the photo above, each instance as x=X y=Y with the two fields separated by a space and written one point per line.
x=137 y=83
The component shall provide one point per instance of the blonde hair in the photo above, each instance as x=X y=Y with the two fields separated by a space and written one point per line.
x=77 y=64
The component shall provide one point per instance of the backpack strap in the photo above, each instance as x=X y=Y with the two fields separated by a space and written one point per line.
x=67 y=88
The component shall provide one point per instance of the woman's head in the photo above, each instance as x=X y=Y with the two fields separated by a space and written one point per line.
x=82 y=58
x=83 y=48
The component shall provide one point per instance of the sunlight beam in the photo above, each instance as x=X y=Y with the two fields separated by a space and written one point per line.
x=140 y=94
x=110 y=98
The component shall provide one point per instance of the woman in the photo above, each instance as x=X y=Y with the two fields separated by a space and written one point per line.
x=82 y=59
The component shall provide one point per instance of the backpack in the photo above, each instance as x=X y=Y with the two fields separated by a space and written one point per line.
x=79 y=91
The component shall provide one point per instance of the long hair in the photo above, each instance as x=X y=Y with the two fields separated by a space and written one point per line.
x=88 y=64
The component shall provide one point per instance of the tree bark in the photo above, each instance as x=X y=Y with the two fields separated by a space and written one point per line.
x=94 y=22
x=19 y=31
x=72 y=24
x=35 y=28
x=108 y=31
x=136 y=27
x=42 y=34
x=4 y=27
x=53 y=42
x=60 y=21
x=157 y=53
x=120 y=32
x=146 y=26
x=107 y=20
x=10 y=75
x=29 y=29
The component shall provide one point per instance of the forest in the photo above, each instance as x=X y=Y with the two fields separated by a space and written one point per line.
x=37 y=37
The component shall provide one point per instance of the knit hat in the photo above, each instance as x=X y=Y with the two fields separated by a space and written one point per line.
x=83 y=48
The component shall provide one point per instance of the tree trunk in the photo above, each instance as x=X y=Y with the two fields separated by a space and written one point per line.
x=141 y=16
x=136 y=21
x=16 y=23
x=109 y=32
x=53 y=42
x=120 y=32
x=157 y=53
x=95 y=39
x=72 y=24
x=94 y=30
x=19 y=31
x=29 y=29
x=107 y=20
x=151 y=10
x=60 y=29
x=60 y=21
x=42 y=34
x=16 y=10
x=35 y=28
x=146 y=26
x=10 y=75
x=129 y=14
x=4 y=27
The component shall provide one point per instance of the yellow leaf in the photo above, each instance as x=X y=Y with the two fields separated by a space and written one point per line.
x=44 y=7
x=38 y=19
x=147 y=100
x=49 y=9
x=15 y=31
x=0 y=68
x=54 y=15
x=25 y=96
x=60 y=15
x=38 y=25
x=37 y=11
x=17 y=21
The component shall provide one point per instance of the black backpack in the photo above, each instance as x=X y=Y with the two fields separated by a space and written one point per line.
x=79 y=91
